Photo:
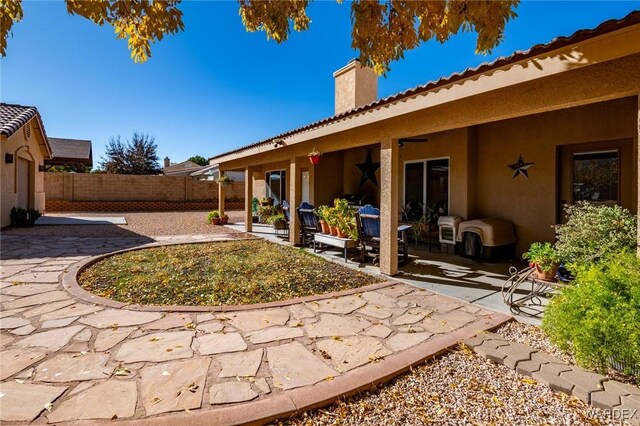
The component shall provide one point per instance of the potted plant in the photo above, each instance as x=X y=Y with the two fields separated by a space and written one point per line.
x=266 y=201
x=545 y=258
x=345 y=219
x=224 y=219
x=278 y=221
x=314 y=156
x=322 y=213
x=225 y=180
x=214 y=217
x=331 y=218
x=264 y=212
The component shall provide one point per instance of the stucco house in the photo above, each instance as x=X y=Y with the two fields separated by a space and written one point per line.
x=184 y=168
x=514 y=139
x=25 y=148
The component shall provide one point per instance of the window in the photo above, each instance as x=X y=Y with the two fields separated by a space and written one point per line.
x=595 y=177
x=276 y=185
x=426 y=184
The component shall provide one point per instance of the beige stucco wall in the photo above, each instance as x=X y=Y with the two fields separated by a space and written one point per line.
x=32 y=153
x=531 y=203
x=352 y=174
x=328 y=178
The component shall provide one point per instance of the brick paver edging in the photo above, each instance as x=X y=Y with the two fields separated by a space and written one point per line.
x=70 y=284
x=296 y=401
x=622 y=400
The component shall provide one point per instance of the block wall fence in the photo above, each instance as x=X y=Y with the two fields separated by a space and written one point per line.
x=88 y=192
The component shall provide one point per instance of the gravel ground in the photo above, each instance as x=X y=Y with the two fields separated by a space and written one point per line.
x=458 y=388
x=138 y=224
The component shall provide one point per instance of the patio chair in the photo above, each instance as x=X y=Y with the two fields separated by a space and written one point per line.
x=368 y=220
x=308 y=223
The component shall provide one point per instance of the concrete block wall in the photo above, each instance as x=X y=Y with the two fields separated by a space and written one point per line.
x=110 y=192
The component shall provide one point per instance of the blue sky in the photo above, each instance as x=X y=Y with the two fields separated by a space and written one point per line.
x=215 y=86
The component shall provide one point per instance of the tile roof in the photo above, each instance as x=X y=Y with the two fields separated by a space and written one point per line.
x=71 y=148
x=605 y=27
x=13 y=117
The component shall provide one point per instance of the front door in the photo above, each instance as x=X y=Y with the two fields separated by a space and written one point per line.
x=24 y=183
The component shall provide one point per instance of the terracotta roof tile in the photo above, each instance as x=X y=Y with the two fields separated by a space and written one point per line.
x=13 y=117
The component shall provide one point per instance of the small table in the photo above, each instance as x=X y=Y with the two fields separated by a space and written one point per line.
x=330 y=240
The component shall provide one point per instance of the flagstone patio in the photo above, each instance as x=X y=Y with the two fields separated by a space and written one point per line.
x=64 y=359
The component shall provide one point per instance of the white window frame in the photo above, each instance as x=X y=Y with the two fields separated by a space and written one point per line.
x=424 y=180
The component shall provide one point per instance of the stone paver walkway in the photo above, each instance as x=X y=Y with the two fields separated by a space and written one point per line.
x=622 y=400
x=63 y=359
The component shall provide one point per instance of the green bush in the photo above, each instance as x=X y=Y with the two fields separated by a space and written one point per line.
x=594 y=231
x=598 y=316
x=24 y=218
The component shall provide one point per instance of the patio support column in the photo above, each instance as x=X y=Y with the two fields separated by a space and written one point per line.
x=248 y=199
x=389 y=206
x=221 y=194
x=295 y=196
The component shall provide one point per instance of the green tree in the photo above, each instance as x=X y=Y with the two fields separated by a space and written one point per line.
x=382 y=30
x=137 y=156
x=199 y=160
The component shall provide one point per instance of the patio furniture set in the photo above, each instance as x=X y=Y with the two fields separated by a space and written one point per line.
x=368 y=231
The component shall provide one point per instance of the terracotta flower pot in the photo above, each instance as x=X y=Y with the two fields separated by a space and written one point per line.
x=224 y=220
x=216 y=221
x=342 y=234
x=547 y=275
x=333 y=230
x=324 y=226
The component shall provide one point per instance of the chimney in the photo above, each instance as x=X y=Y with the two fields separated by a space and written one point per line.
x=167 y=162
x=355 y=86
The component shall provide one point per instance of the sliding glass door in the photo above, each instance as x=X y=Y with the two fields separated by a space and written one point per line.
x=426 y=184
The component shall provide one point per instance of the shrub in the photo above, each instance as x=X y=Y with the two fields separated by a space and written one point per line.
x=594 y=231
x=597 y=317
x=23 y=218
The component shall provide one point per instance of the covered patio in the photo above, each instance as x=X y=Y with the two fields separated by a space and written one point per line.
x=557 y=108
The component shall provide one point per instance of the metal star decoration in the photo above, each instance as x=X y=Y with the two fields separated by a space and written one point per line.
x=520 y=168
x=368 y=169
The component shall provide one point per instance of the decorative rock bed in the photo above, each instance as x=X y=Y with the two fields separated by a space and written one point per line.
x=621 y=399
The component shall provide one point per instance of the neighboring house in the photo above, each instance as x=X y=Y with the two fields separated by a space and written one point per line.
x=73 y=153
x=184 y=168
x=569 y=110
x=212 y=172
x=25 y=148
